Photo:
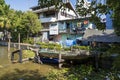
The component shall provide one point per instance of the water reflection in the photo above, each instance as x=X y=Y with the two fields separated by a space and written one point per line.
x=3 y=56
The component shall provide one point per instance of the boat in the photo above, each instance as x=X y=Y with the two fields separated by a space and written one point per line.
x=66 y=55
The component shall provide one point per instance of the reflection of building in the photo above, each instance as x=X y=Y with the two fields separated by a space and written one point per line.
x=60 y=25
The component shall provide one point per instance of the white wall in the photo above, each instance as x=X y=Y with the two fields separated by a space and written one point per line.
x=62 y=26
x=68 y=11
x=53 y=29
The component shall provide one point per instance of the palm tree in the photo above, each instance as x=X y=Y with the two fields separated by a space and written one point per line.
x=5 y=19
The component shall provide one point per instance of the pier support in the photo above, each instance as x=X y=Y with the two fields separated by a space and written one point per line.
x=18 y=40
x=20 y=55
x=60 y=61
x=37 y=55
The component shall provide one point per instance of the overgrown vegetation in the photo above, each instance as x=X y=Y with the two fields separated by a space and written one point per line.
x=50 y=46
x=25 y=23
x=81 y=73
x=25 y=54
x=29 y=40
x=81 y=47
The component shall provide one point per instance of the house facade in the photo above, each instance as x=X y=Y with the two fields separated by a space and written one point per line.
x=61 y=25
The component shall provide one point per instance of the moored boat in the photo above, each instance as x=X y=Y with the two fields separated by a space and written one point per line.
x=64 y=54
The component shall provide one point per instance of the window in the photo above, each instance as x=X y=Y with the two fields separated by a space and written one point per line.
x=53 y=24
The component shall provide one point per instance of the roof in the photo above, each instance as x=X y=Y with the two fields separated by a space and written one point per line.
x=101 y=36
x=43 y=9
x=38 y=9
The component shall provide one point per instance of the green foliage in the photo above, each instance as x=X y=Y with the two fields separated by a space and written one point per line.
x=115 y=48
x=30 y=22
x=28 y=54
x=57 y=74
x=81 y=47
x=5 y=17
x=48 y=3
x=116 y=63
x=25 y=23
x=114 y=5
x=82 y=72
x=96 y=9
x=50 y=46
x=67 y=49
x=25 y=54
x=29 y=40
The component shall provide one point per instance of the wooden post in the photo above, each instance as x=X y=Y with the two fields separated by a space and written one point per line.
x=37 y=55
x=9 y=45
x=9 y=37
x=39 y=61
x=18 y=40
x=60 y=60
x=20 y=54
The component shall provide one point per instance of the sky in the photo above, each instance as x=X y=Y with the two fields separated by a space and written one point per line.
x=24 y=5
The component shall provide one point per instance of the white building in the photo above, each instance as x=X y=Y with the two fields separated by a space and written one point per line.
x=53 y=20
x=61 y=25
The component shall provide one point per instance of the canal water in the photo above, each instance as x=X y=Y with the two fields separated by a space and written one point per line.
x=21 y=71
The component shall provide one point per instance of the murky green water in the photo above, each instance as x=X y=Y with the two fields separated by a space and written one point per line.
x=3 y=56
x=24 y=71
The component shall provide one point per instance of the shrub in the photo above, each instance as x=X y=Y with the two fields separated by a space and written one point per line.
x=116 y=63
x=25 y=54
x=67 y=49
x=82 y=72
x=81 y=47
x=29 y=40
x=50 y=46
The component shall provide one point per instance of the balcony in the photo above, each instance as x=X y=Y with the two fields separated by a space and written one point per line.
x=62 y=31
x=49 y=19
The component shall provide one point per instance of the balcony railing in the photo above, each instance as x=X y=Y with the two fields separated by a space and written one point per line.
x=49 y=19
x=71 y=31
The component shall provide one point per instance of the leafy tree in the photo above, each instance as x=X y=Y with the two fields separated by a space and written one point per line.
x=5 y=21
x=57 y=3
x=25 y=23
x=114 y=5
x=30 y=23
x=16 y=18
x=18 y=22
x=99 y=9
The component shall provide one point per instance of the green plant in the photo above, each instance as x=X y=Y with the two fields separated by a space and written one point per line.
x=25 y=54
x=116 y=62
x=50 y=46
x=29 y=40
x=81 y=47
x=115 y=48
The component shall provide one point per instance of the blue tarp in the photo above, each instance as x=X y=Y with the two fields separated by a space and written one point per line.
x=70 y=42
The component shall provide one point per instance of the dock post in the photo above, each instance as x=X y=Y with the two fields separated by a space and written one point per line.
x=20 y=54
x=18 y=40
x=9 y=42
x=60 y=61
x=38 y=57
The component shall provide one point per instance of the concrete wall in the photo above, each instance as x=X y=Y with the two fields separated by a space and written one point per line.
x=67 y=11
